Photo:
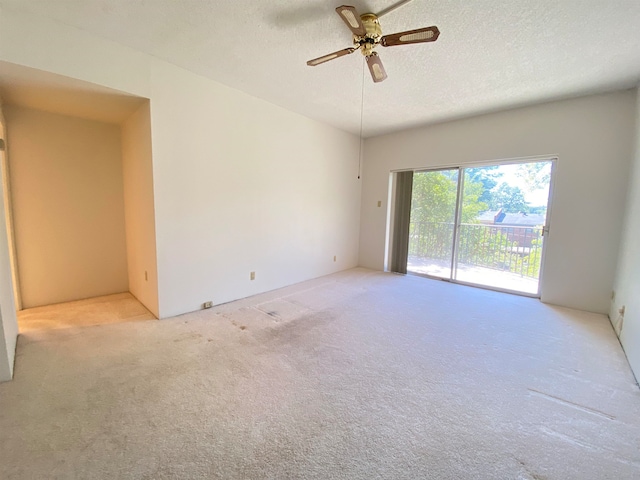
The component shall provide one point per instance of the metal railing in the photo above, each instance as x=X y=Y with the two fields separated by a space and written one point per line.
x=515 y=249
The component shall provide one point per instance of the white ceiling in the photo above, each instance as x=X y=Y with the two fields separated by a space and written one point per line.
x=491 y=54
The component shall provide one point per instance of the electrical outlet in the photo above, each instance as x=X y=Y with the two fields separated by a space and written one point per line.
x=252 y=276
x=334 y=258
x=207 y=305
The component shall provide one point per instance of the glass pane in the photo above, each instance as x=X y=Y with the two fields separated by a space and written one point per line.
x=500 y=240
x=433 y=210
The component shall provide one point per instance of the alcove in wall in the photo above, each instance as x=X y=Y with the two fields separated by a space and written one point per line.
x=80 y=193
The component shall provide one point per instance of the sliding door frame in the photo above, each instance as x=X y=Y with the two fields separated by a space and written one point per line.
x=458 y=215
x=456 y=225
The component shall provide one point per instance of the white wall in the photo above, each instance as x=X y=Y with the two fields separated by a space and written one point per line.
x=8 y=318
x=139 y=208
x=593 y=139
x=627 y=283
x=240 y=185
x=68 y=206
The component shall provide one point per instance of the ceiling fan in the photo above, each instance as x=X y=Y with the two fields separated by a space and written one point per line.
x=367 y=35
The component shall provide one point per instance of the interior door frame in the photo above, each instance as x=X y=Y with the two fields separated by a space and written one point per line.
x=7 y=205
x=477 y=164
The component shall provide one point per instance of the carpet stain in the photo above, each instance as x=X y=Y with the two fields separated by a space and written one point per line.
x=533 y=475
x=243 y=327
x=292 y=331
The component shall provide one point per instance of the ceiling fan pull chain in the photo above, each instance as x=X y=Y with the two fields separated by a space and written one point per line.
x=361 y=121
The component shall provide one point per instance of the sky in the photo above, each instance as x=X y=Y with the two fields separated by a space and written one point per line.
x=511 y=174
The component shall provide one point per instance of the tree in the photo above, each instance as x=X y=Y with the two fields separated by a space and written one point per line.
x=536 y=174
x=487 y=176
x=433 y=208
x=509 y=199
x=473 y=195
x=434 y=197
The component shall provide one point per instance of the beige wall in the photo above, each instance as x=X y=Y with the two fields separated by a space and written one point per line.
x=68 y=204
x=593 y=140
x=627 y=284
x=139 y=208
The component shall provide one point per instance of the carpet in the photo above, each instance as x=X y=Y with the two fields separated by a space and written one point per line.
x=357 y=375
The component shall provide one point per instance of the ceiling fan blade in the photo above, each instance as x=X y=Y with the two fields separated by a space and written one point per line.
x=331 y=56
x=376 y=68
x=421 y=35
x=352 y=19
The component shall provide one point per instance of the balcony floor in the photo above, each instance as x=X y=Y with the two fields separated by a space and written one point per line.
x=474 y=274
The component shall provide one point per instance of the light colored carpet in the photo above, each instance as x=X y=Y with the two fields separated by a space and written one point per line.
x=359 y=375
x=120 y=307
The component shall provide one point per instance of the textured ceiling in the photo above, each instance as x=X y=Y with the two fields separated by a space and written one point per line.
x=491 y=54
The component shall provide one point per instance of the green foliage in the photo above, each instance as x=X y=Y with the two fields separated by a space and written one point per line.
x=541 y=210
x=536 y=174
x=509 y=199
x=472 y=203
x=533 y=260
x=433 y=215
x=487 y=176
x=480 y=245
x=434 y=197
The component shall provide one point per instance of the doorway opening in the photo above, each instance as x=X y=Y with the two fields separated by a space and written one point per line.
x=481 y=225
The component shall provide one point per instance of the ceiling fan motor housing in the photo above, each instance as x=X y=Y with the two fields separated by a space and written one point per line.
x=371 y=39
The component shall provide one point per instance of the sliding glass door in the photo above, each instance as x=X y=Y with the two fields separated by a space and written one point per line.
x=481 y=226
x=434 y=202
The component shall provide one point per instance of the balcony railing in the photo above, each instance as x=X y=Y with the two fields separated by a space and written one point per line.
x=512 y=249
